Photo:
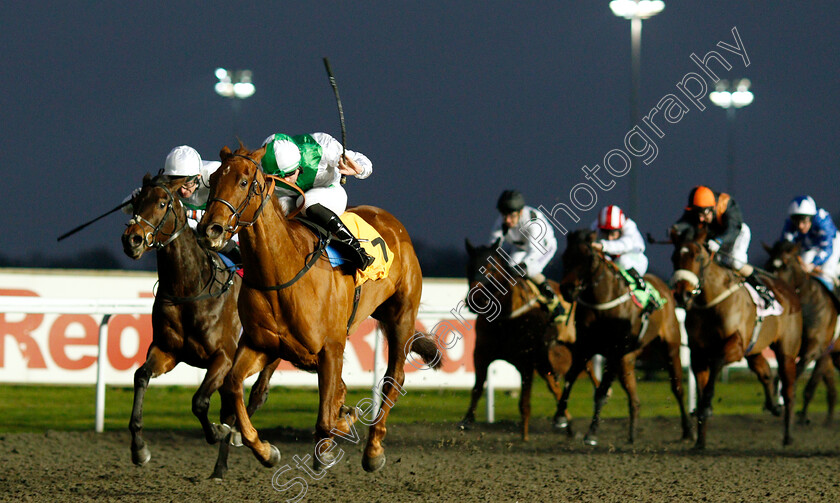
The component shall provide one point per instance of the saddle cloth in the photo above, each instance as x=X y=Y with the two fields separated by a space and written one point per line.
x=775 y=309
x=372 y=243
x=645 y=296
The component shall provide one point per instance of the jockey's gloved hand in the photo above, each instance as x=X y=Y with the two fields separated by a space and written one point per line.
x=714 y=245
x=128 y=209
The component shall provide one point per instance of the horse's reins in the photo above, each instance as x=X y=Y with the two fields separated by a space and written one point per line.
x=265 y=191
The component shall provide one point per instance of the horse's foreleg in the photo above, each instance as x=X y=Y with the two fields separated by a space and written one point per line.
x=758 y=364
x=157 y=363
x=601 y=396
x=246 y=363
x=481 y=364
x=527 y=374
x=330 y=362
x=561 y=421
x=627 y=378
x=787 y=372
x=675 y=373
x=213 y=380
x=709 y=372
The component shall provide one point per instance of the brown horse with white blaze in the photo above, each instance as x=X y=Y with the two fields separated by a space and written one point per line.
x=194 y=315
x=721 y=322
x=294 y=305
x=821 y=326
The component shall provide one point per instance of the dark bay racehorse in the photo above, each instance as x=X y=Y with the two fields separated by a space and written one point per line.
x=520 y=333
x=294 y=305
x=820 y=324
x=720 y=321
x=610 y=323
x=194 y=316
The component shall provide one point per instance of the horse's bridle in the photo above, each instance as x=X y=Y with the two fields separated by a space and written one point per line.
x=150 y=239
x=264 y=191
x=580 y=285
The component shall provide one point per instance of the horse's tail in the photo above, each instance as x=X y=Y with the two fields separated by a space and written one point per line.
x=424 y=345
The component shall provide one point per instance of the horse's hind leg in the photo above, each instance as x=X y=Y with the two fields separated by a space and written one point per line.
x=213 y=379
x=830 y=391
x=399 y=333
x=758 y=364
x=527 y=374
x=787 y=372
x=157 y=363
x=822 y=365
x=246 y=363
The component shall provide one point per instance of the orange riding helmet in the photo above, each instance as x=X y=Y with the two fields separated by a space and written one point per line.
x=701 y=197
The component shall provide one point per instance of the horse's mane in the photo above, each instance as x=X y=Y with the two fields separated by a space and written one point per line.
x=782 y=247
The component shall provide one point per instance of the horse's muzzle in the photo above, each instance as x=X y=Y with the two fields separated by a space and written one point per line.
x=211 y=236
x=133 y=245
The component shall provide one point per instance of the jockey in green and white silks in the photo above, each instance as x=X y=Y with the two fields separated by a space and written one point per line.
x=315 y=164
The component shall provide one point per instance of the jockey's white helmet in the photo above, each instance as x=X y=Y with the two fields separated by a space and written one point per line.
x=182 y=161
x=802 y=205
x=282 y=155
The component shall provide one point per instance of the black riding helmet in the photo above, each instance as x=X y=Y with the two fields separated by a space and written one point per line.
x=510 y=201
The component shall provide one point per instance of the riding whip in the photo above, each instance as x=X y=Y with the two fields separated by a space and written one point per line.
x=77 y=229
x=340 y=112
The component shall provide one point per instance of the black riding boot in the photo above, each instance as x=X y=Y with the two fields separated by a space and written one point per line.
x=552 y=302
x=231 y=251
x=330 y=221
x=640 y=281
x=761 y=288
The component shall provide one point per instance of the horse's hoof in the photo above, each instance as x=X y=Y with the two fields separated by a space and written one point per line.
x=324 y=461
x=561 y=424
x=776 y=410
x=787 y=441
x=273 y=457
x=593 y=441
x=373 y=464
x=235 y=438
x=465 y=425
x=141 y=456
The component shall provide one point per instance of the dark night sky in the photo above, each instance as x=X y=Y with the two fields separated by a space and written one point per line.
x=452 y=101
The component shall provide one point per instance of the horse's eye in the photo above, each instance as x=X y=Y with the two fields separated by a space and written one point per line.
x=162 y=204
x=243 y=183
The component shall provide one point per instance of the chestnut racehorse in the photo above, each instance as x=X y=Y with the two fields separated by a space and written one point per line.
x=820 y=324
x=194 y=315
x=720 y=321
x=516 y=330
x=294 y=305
x=610 y=323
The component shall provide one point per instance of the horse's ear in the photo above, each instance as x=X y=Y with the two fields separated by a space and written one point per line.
x=147 y=179
x=766 y=247
x=224 y=153
x=470 y=247
x=497 y=243
x=257 y=155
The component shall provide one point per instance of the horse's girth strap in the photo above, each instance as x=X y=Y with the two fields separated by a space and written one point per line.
x=356 y=295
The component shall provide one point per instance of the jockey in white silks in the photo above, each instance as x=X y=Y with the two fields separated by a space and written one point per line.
x=315 y=164
x=531 y=236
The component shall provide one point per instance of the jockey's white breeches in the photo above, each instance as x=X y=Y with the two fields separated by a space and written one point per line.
x=333 y=198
